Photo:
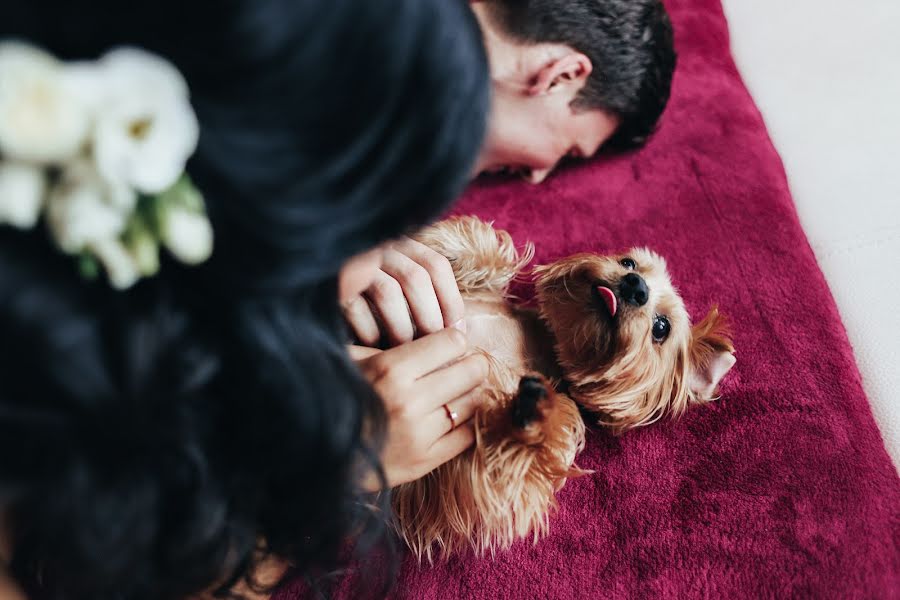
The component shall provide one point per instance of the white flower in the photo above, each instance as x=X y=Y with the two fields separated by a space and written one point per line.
x=22 y=189
x=40 y=121
x=146 y=127
x=85 y=208
x=121 y=268
x=187 y=234
x=143 y=246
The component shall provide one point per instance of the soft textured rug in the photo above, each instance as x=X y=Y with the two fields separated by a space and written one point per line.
x=780 y=489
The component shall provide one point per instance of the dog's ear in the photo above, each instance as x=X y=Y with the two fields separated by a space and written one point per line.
x=712 y=355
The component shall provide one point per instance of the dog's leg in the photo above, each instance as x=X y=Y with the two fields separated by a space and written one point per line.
x=527 y=453
x=484 y=259
x=504 y=488
x=541 y=416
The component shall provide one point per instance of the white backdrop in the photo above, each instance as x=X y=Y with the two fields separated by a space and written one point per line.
x=826 y=77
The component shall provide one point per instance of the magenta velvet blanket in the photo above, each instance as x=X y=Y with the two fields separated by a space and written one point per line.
x=780 y=489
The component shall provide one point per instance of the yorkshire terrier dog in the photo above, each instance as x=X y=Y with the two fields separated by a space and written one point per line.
x=609 y=332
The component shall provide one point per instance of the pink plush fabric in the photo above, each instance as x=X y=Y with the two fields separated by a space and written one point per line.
x=780 y=489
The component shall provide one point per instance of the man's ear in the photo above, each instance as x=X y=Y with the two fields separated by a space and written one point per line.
x=712 y=355
x=573 y=69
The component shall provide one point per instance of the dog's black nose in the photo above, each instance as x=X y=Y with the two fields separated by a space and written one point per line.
x=633 y=290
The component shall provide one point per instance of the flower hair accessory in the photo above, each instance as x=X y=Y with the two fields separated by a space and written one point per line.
x=99 y=150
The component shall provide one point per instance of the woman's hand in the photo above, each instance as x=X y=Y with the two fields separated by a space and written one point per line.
x=414 y=294
x=415 y=381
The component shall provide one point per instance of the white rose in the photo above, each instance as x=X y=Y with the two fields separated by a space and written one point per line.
x=83 y=82
x=40 y=121
x=187 y=234
x=121 y=268
x=146 y=127
x=22 y=189
x=84 y=208
x=143 y=247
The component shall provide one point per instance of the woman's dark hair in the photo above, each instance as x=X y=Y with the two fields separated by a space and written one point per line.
x=629 y=42
x=160 y=441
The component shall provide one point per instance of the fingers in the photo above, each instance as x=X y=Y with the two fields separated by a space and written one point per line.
x=452 y=381
x=415 y=293
x=452 y=444
x=358 y=353
x=359 y=316
x=417 y=286
x=414 y=381
x=446 y=448
x=416 y=359
x=440 y=272
x=387 y=297
x=464 y=409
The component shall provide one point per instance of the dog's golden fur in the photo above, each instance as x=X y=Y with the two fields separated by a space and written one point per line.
x=614 y=366
x=528 y=431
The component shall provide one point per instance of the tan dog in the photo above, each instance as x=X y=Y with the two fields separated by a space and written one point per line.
x=610 y=330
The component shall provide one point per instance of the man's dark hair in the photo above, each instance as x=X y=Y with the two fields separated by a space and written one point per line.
x=629 y=43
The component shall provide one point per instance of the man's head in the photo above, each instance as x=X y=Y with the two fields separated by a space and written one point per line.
x=570 y=76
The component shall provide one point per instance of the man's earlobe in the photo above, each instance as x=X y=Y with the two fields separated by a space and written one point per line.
x=573 y=69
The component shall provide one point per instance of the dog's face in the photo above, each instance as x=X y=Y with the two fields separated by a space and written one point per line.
x=625 y=340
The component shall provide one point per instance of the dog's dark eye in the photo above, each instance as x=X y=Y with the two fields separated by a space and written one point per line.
x=661 y=328
x=628 y=264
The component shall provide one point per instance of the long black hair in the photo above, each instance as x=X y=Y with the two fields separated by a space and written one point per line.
x=157 y=442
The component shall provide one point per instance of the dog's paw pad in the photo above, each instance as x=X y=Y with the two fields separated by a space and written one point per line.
x=525 y=406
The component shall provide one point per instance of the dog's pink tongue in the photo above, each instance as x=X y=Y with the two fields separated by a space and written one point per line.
x=610 y=298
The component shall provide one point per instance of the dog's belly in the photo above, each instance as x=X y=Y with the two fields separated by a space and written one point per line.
x=514 y=336
x=493 y=328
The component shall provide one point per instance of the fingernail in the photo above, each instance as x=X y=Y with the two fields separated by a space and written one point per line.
x=460 y=325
